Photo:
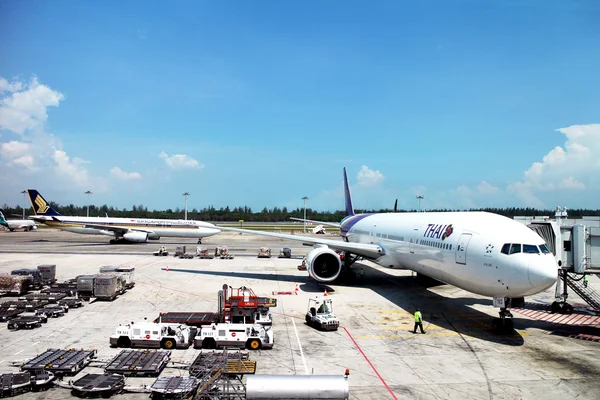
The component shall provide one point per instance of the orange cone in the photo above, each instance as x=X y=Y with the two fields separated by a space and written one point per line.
x=325 y=293
x=167 y=268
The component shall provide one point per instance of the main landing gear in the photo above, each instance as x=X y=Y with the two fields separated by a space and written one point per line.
x=118 y=240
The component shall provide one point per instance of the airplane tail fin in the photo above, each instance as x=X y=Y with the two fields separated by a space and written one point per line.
x=349 y=208
x=40 y=205
x=3 y=220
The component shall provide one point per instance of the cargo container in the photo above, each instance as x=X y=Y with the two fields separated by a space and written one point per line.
x=48 y=272
x=85 y=286
x=124 y=271
x=15 y=284
x=107 y=287
x=36 y=276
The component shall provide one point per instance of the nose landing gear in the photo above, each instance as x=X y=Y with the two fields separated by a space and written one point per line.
x=505 y=322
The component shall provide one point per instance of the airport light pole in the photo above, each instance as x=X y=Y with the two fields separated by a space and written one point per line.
x=305 y=198
x=186 y=194
x=88 y=205
x=420 y=197
x=24 y=193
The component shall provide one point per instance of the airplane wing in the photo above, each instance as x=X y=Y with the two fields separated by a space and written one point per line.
x=336 y=224
x=363 y=249
x=120 y=230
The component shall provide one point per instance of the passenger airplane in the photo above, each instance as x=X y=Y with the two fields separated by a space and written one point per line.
x=123 y=230
x=480 y=252
x=12 y=224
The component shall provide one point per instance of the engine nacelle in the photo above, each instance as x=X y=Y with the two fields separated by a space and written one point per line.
x=136 y=237
x=323 y=264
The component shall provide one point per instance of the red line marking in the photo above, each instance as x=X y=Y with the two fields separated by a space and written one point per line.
x=371 y=364
x=578 y=319
x=554 y=317
x=173 y=290
x=566 y=319
x=588 y=320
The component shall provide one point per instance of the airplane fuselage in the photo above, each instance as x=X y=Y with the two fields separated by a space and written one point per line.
x=20 y=224
x=464 y=249
x=156 y=227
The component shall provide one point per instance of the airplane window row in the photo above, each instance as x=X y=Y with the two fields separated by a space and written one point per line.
x=513 y=248
x=439 y=245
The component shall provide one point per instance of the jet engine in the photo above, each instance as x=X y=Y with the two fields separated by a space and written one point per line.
x=136 y=237
x=323 y=265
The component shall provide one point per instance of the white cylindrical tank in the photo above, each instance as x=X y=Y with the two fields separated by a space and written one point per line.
x=296 y=387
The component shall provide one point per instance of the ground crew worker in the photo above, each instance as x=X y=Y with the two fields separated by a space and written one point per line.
x=362 y=273
x=418 y=321
x=585 y=280
x=321 y=309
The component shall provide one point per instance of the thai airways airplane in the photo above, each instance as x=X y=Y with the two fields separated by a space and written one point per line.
x=13 y=224
x=480 y=252
x=123 y=230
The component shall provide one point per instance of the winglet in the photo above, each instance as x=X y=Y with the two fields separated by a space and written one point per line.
x=349 y=208
x=40 y=205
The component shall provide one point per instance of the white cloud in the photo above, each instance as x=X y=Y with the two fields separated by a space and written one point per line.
x=13 y=149
x=118 y=173
x=6 y=86
x=24 y=110
x=180 y=161
x=368 y=177
x=487 y=189
x=571 y=183
x=26 y=161
x=71 y=169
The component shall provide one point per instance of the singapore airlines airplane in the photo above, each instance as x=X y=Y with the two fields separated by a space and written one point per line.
x=480 y=252
x=12 y=224
x=123 y=230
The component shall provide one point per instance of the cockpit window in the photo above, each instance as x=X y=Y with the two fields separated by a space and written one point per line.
x=544 y=249
x=530 y=249
x=515 y=248
x=505 y=248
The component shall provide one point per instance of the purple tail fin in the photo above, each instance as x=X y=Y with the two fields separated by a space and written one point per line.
x=349 y=208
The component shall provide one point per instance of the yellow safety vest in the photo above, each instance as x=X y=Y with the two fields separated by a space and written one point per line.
x=418 y=317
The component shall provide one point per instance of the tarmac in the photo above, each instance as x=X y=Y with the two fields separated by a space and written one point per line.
x=459 y=357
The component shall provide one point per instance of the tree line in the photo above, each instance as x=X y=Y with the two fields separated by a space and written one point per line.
x=245 y=213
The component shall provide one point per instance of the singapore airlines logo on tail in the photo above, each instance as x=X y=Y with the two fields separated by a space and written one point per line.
x=41 y=204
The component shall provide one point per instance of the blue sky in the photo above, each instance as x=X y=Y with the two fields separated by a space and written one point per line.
x=469 y=103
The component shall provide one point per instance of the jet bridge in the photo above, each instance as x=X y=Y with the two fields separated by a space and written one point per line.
x=576 y=247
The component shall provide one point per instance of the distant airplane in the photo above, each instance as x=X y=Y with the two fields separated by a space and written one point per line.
x=13 y=224
x=123 y=230
x=480 y=252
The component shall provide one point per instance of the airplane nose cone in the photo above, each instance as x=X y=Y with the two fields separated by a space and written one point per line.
x=543 y=273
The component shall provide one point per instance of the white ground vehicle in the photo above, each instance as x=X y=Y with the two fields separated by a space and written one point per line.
x=320 y=314
x=250 y=336
x=161 y=252
x=152 y=335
